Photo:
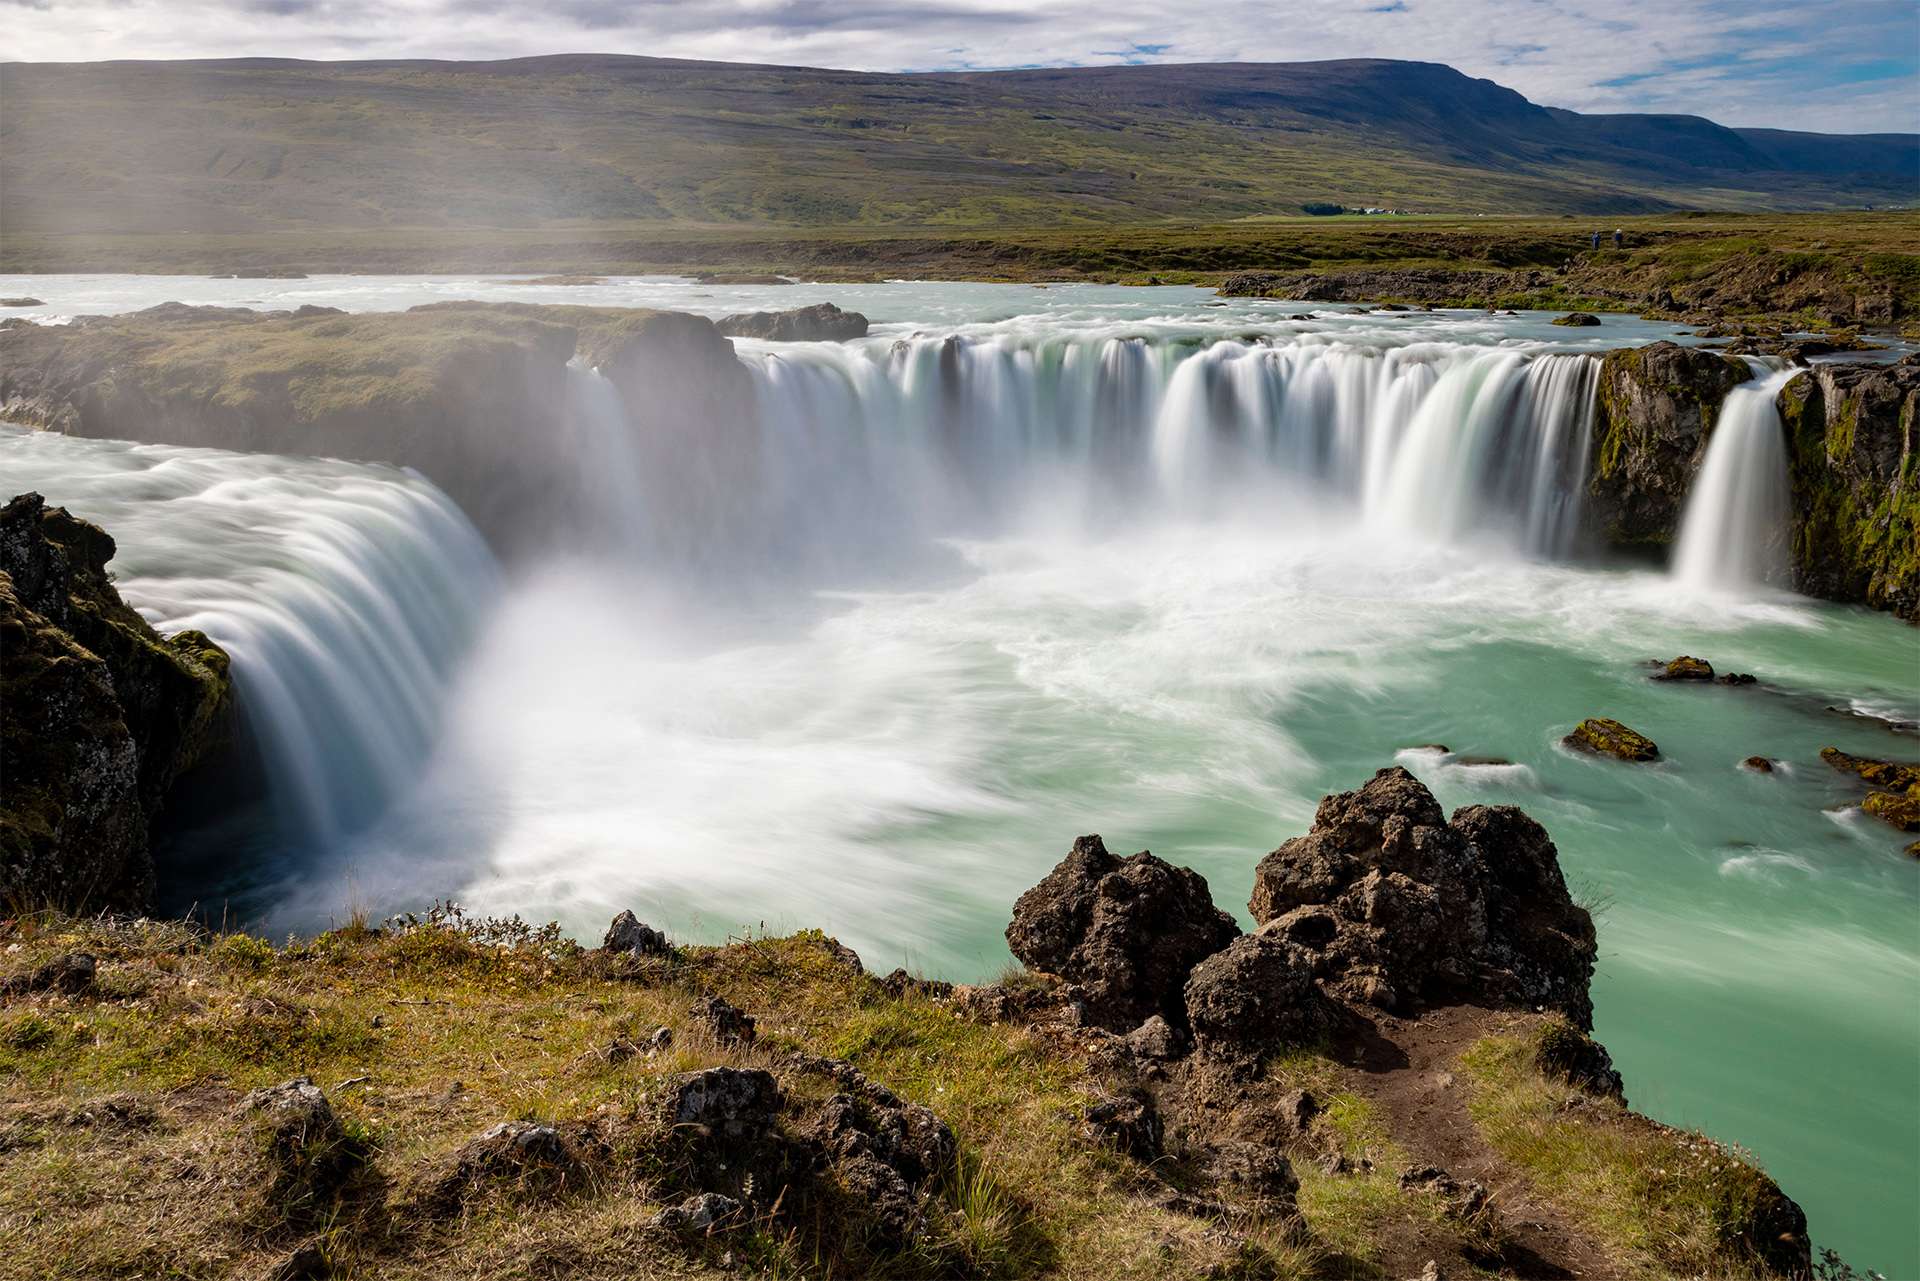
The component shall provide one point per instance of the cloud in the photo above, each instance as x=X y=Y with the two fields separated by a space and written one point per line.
x=1844 y=65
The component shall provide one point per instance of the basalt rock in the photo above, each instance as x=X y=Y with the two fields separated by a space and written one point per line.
x=630 y=936
x=1898 y=799
x=1853 y=441
x=1607 y=737
x=1125 y=931
x=1685 y=668
x=1253 y=997
x=885 y=1154
x=728 y=1023
x=822 y=322
x=723 y=1102
x=1566 y=1053
x=1656 y=407
x=1577 y=320
x=99 y=716
x=1128 y=1123
x=1387 y=902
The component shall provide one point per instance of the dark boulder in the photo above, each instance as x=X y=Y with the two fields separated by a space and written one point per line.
x=1897 y=801
x=1126 y=931
x=1604 y=736
x=822 y=322
x=1758 y=764
x=1128 y=1123
x=1258 y=1174
x=1565 y=1053
x=722 y=1102
x=1253 y=997
x=531 y=1156
x=99 y=717
x=728 y=1024
x=1388 y=903
x=1577 y=320
x=698 y=1215
x=1685 y=668
x=629 y=935
x=885 y=1154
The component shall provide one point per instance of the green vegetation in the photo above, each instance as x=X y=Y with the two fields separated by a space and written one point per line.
x=1665 y=1202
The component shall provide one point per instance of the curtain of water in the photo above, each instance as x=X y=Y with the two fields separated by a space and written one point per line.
x=1733 y=536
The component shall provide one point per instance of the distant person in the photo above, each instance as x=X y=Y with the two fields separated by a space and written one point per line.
x=1596 y=240
x=1618 y=239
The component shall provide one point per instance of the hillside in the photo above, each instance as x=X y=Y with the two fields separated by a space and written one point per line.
x=265 y=145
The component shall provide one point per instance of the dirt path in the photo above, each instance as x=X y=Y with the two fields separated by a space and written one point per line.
x=1407 y=1068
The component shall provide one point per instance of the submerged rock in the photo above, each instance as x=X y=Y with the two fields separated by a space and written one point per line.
x=1389 y=903
x=1577 y=319
x=1609 y=737
x=1758 y=764
x=822 y=322
x=1685 y=668
x=1126 y=931
x=99 y=716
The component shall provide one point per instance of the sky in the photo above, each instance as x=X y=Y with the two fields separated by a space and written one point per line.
x=1847 y=66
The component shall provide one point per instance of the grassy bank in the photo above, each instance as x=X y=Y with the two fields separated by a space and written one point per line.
x=127 y=1147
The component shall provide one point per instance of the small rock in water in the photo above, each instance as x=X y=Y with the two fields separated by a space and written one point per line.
x=1577 y=319
x=1758 y=764
x=1685 y=668
x=1609 y=737
x=1737 y=678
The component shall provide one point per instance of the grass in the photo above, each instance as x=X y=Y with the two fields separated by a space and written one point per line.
x=1666 y=1202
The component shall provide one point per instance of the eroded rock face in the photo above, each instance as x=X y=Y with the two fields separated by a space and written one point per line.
x=629 y=935
x=99 y=715
x=1853 y=432
x=1656 y=407
x=821 y=322
x=1126 y=931
x=1255 y=996
x=1388 y=903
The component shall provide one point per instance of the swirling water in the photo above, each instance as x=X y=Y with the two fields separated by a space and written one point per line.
x=1025 y=565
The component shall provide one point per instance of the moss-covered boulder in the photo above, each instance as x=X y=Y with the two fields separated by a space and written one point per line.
x=1897 y=798
x=99 y=715
x=1655 y=409
x=1607 y=737
x=1854 y=464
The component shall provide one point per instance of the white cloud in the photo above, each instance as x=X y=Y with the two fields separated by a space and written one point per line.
x=1847 y=65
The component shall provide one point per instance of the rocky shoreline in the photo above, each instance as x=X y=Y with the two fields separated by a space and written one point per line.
x=1363 y=1086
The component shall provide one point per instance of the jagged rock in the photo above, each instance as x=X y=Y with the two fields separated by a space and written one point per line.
x=1685 y=668
x=1128 y=1123
x=821 y=322
x=1008 y=1002
x=1259 y=1174
x=1851 y=448
x=1156 y=1040
x=696 y=1215
x=1254 y=996
x=726 y=1102
x=1565 y=1053
x=99 y=716
x=534 y=1155
x=1464 y=1200
x=729 y=1024
x=1125 y=931
x=1386 y=902
x=900 y=984
x=1758 y=764
x=629 y=935
x=309 y=1156
x=72 y=973
x=885 y=1152
x=1900 y=810
x=1577 y=320
x=1608 y=737
x=1656 y=406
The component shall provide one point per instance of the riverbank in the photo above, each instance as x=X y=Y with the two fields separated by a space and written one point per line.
x=452 y=1096
x=1847 y=269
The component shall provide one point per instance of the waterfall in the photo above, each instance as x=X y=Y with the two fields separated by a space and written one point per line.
x=1733 y=535
x=344 y=593
x=874 y=444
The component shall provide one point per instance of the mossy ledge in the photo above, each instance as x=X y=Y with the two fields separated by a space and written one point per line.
x=447 y=1096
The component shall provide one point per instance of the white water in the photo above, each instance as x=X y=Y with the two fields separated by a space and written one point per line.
x=1734 y=534
x=345 y=595
x=1127 y=566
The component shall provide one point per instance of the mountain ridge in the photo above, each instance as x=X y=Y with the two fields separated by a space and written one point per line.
x=237 y=145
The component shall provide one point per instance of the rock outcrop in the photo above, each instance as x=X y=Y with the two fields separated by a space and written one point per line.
x=1387 y=902
x=1853 y=439
x=1656 y=407
x=99 y=716
x=1896 y=795
x=822 y=322
x=1125 y=931
x=1604 y=736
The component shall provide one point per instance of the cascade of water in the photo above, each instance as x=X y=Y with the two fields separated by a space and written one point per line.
x=344 y=594
x=1734 y=533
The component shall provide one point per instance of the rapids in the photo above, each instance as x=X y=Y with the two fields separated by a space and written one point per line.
x=1027 y=564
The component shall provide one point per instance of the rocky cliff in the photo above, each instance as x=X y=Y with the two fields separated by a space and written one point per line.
x=1655 y=410
x=1853 y=439
x=99 y=715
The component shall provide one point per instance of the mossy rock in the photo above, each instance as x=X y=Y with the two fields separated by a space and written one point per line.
x=1607 y=737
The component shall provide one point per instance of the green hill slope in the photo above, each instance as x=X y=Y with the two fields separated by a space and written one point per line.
x=261 y=145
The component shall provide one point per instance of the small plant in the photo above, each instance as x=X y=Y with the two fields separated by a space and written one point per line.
x=243 y=951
